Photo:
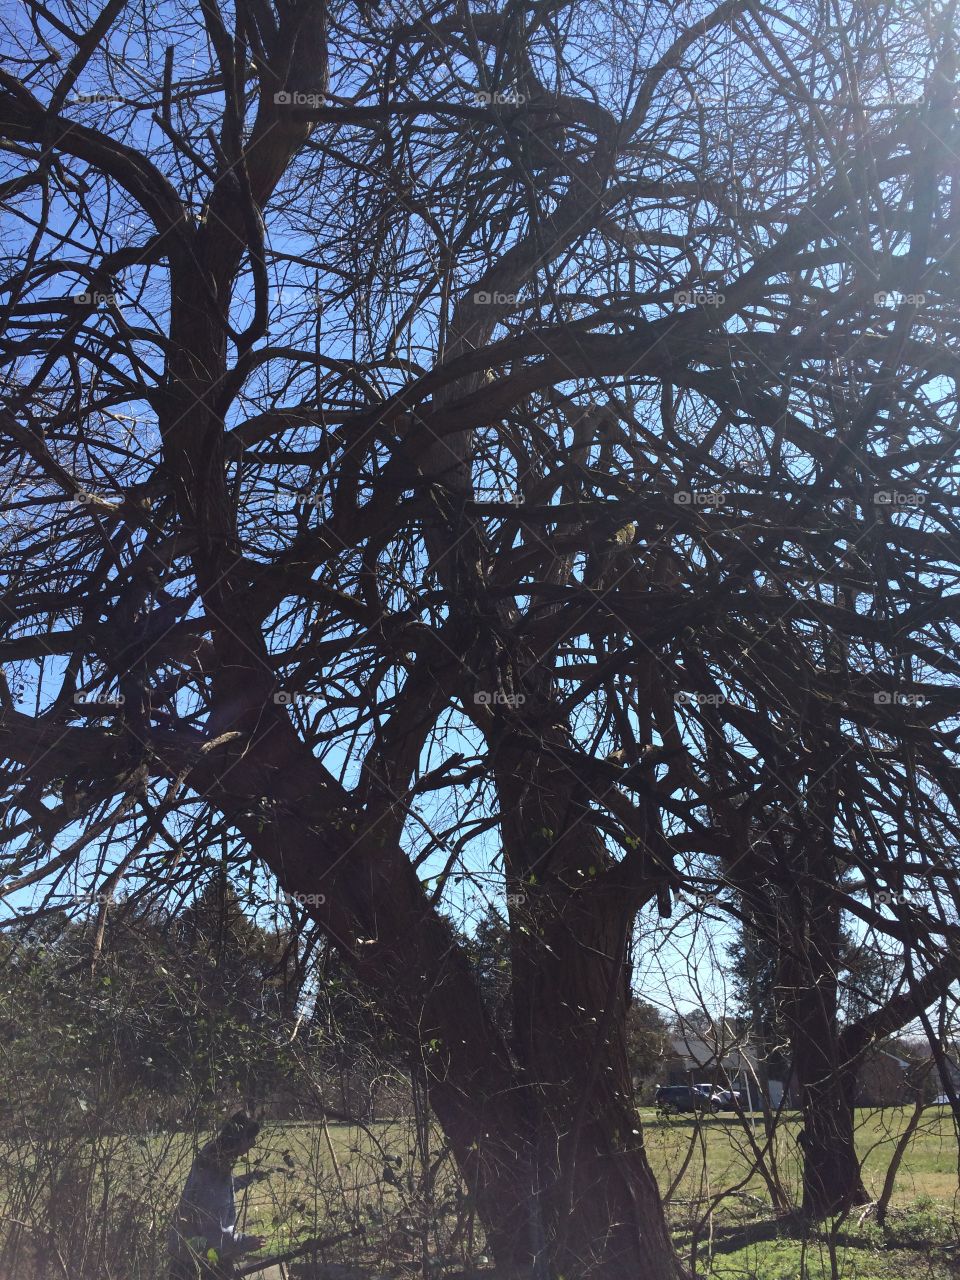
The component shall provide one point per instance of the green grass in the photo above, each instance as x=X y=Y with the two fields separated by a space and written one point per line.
x=914 y=1244
x=929 y=1169
x=316 y=1183
x=744 y=1241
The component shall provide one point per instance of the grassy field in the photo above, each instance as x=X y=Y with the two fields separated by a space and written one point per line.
x=743 y=1240
x=720 y=1212
x=929 y=1169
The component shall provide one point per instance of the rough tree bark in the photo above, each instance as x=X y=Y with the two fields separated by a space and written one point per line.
x=543 y=1129
x=597 y=1197
x=826 y=1083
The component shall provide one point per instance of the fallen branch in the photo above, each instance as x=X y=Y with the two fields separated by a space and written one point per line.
x=308 y=1246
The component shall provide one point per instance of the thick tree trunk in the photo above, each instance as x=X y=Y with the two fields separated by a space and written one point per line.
x=596 y=1212
x=310 y=833
x=832 y=1182
x=598 y=1201
x=406 y=957
x=823 y=1072
x=552 y=1152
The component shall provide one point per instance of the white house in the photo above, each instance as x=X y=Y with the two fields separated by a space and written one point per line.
x=718 y=1054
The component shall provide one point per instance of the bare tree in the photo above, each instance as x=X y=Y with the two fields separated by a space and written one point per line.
x=406 y=413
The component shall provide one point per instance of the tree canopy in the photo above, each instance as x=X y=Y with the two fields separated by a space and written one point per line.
x=497 y=448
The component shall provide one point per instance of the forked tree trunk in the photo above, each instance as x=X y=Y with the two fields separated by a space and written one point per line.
x=407 y=960
x=549 y=1147
x=596 y=1211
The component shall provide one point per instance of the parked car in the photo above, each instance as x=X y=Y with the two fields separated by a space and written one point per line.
x=677 y=1098
x=731 y=1100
